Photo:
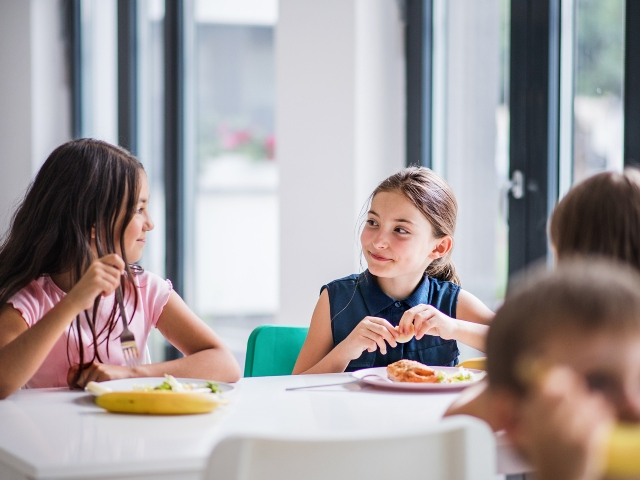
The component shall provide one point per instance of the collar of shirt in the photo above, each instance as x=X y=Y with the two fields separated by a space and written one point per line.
x=377 y=301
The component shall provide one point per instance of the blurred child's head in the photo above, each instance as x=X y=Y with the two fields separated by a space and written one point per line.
x=79 y=205
x=432 y=199
x=600 y=215
x=585 y=315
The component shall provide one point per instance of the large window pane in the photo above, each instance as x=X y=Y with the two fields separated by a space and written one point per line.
x=598 y=86
x=471 y=132
x=99 y=86
x=234 y=266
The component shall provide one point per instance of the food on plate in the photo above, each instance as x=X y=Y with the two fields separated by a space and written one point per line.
x=96 y=388
x=172 y=385
x=416 y=372
x=411 y=371
x=159 y=402
x=404 y=337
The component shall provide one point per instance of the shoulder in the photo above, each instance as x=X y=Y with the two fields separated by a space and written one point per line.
x=348 y=280
x=441 y=289
x=342 y=284
x=473 y=309
x=443 y=285
x=36 y=298
x=154 y=293
x=150 y=282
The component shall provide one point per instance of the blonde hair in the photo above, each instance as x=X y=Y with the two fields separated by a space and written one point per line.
x=434 y=198
x=600 y=215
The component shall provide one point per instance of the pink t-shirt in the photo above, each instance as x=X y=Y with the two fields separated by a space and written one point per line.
x=37 y=298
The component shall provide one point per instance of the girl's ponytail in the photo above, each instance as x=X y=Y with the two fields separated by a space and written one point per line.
x=443 y=269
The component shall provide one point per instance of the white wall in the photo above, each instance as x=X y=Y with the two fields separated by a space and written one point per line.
x=34 y=94
x=15 y=104
x=340 y=129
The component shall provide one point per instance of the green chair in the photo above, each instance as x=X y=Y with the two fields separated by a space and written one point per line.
x=273 y=350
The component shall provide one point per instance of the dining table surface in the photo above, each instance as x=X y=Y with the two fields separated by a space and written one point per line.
x=61 y=434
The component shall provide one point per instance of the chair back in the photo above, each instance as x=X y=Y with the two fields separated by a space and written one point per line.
x=457 y=448
x=273 y=350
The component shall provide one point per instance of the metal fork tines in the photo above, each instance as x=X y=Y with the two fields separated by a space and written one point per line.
x=127 y=339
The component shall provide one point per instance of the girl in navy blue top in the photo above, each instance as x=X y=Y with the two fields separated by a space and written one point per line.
x=409 y=290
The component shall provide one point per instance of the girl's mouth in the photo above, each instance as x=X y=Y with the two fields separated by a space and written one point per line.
x=378 y=257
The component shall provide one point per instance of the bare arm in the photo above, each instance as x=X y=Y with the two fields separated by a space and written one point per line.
x=318 y=354
x=206 y=355
x=23 y=349
x=473 y=319
x=428 y=320
x=471 y=309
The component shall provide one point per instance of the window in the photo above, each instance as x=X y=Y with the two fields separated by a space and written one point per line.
x=233 y=243
x=470 y=134
x=598 y=87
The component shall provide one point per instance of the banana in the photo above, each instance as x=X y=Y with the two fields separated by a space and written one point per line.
x=623 y=451
x=159 y=402
x=477 y=363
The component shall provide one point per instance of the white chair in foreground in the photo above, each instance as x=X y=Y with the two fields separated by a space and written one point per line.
x=457 y=448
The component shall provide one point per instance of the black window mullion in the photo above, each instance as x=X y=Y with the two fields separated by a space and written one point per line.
x=127 y=76
x=534 y=86
x=632 y=84
x=174 y=147
x=419 y=67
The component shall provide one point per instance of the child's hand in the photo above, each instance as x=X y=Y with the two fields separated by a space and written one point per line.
x=563 y=428
x=428 y=320
x=371 y=334
x=98 y=372
x=101 y=278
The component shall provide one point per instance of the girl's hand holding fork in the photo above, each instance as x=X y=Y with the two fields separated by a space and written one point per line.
x=101 y=278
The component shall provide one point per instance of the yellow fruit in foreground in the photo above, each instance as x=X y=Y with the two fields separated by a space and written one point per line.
x=623 y=456
x=159 y=402
x=477 y=363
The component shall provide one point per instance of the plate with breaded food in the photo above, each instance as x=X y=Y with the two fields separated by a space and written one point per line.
x=413 y=375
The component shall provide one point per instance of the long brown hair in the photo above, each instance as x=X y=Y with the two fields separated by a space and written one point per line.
x=434 y=198
x=600 y=215
x=84 y=186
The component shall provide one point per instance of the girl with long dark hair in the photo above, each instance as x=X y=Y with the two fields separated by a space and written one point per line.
x=72 y=245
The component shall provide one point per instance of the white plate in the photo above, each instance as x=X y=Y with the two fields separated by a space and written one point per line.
x=128 y=384
x=378 y=378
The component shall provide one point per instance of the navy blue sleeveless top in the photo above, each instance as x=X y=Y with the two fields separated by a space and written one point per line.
x=354 y=297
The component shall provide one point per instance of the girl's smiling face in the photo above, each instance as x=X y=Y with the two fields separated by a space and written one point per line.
x=136 y=231
x=397 y=240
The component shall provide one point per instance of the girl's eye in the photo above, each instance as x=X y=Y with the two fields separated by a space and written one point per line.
x=602 y=383
x=401 y=230
x=371 y=223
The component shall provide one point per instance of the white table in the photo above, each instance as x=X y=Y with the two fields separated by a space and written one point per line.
x=60 y=434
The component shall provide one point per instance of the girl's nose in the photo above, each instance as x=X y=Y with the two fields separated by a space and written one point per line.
x=380 y=240
x=149 y=223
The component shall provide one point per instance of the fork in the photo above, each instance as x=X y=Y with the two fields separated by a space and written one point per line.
x=127 y=339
